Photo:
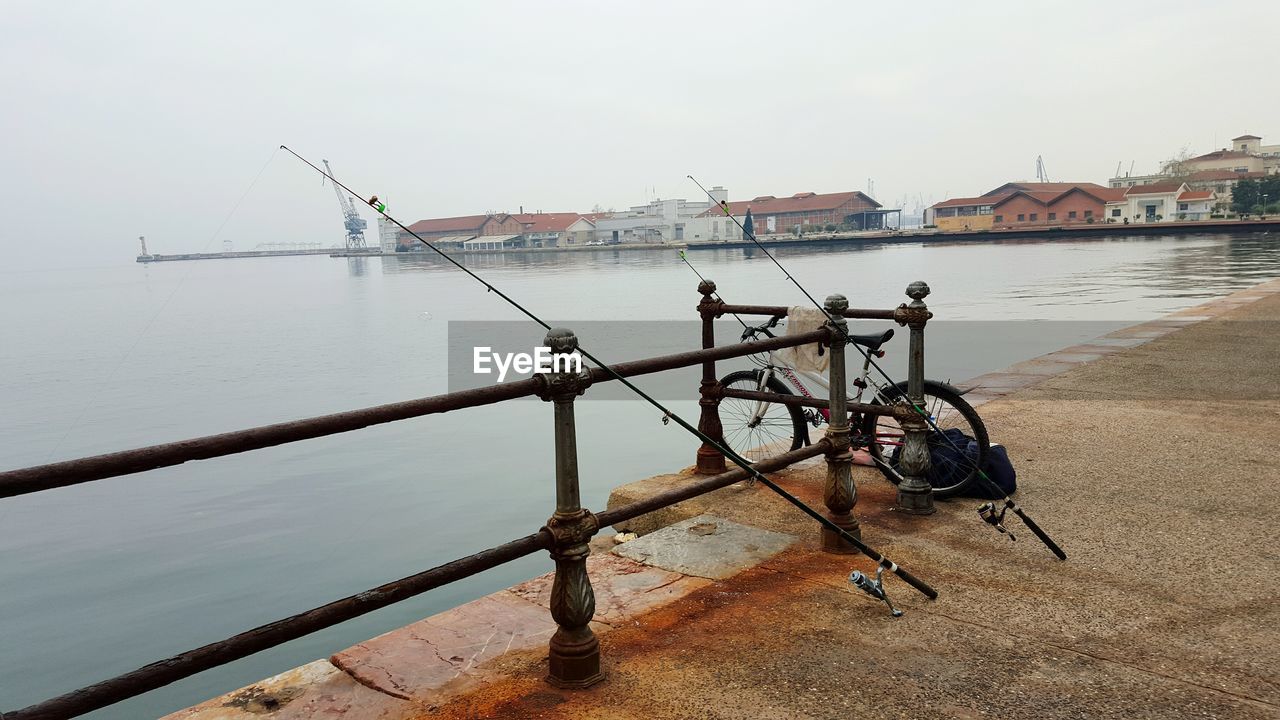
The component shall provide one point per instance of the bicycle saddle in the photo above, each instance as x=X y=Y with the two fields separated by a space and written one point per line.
x=873 y=341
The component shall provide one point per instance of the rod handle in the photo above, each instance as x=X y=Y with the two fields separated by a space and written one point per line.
x=1031 y=525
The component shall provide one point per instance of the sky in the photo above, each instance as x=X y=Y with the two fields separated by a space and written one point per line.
x=125 y=118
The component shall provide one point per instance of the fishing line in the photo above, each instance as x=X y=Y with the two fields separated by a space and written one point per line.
x=880 y=559
x=163 y=304
x=715 y=295
x=1009 y=504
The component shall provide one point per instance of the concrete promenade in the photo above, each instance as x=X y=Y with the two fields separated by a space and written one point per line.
x=1149 y=455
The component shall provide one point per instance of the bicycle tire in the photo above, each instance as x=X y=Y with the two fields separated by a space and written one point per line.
x=948 y=410
x=769 y=435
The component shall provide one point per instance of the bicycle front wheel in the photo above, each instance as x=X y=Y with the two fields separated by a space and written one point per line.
x=756 y=430
x=951 y=471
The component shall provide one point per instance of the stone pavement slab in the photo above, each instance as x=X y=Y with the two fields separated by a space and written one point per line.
x=623 y=587
x=314 y=691
x=706 y=546
x=439 y=655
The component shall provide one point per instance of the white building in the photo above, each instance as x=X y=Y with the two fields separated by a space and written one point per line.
x=1217 y=171
x=1252 y=145
x=388 y=234
x=1161 y=202
x=660 y=221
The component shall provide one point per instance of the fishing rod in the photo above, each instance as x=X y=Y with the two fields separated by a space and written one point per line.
x=881 y=560
x=986 y=511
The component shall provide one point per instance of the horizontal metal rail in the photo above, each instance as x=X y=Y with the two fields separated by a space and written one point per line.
x=697 y=357
x=178 y=667
x=99 y=467
x=164 y=672
x=788 y=399
x=781 y=311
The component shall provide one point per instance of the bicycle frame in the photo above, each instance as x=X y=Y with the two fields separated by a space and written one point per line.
x=776 y=365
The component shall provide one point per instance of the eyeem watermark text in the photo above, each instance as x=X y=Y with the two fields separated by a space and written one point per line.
x=541 y=360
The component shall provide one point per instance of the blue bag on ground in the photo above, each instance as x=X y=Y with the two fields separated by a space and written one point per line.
x=951 y=460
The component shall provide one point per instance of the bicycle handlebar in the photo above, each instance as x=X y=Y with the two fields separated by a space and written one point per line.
x=750 y=331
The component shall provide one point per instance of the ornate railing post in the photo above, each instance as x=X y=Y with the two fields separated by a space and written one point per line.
x=575 y=651
x=710 y=461
x=915 y=495
x=839 y=493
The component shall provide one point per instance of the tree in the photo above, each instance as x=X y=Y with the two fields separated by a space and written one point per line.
x=1246 y=195
x=1178 y=167
x=1270 y=187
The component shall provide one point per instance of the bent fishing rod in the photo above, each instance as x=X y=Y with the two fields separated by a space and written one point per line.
x=880 y=560
x=987 y=511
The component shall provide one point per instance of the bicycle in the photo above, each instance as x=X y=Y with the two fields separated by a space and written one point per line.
x=756 y=428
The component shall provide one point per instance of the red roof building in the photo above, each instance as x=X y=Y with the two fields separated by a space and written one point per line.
x=774 y=214
x=1020 y=204
x=1159 y=188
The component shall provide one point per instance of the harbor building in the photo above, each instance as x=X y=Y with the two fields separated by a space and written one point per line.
x=675 y=220
x=452 y=232
x=496 y=231
x=1021 y=204
x=1161 y=202
x=845 y=210
x=556 y=229
x=1218 y=171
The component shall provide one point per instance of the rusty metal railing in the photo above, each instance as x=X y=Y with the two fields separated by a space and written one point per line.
x=574 y=652
x=915 y=495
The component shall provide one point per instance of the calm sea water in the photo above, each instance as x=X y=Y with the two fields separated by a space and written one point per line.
x=101 y=578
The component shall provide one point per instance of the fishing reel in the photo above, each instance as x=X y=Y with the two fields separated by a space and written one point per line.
x=987 y=511
x=874 y=588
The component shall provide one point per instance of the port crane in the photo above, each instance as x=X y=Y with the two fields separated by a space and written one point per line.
x=1042 y=175
x=351 y=219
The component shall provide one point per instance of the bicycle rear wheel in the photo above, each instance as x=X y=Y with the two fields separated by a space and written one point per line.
x=757 y=430
x=952 y=471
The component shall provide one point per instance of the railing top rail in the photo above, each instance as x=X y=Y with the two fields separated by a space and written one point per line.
x=781 y=311
x=127 y=462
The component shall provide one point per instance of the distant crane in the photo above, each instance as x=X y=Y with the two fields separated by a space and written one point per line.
x=1042 y=175
x=354 y=224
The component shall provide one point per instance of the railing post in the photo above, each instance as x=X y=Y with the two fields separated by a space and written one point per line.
x=839 y=493
x=710 y=461
x=574 y=651
x=915 y=495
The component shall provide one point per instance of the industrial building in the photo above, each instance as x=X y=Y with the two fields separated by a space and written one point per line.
x=853 y=210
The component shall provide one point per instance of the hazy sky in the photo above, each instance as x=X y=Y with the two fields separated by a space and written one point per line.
x=151 y=118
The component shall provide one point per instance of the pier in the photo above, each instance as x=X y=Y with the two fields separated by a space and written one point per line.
x=1059 y=232
x=1166 y=609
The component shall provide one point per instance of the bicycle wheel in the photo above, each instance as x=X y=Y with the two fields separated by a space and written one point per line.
x=951 y=472
x=757 y=430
